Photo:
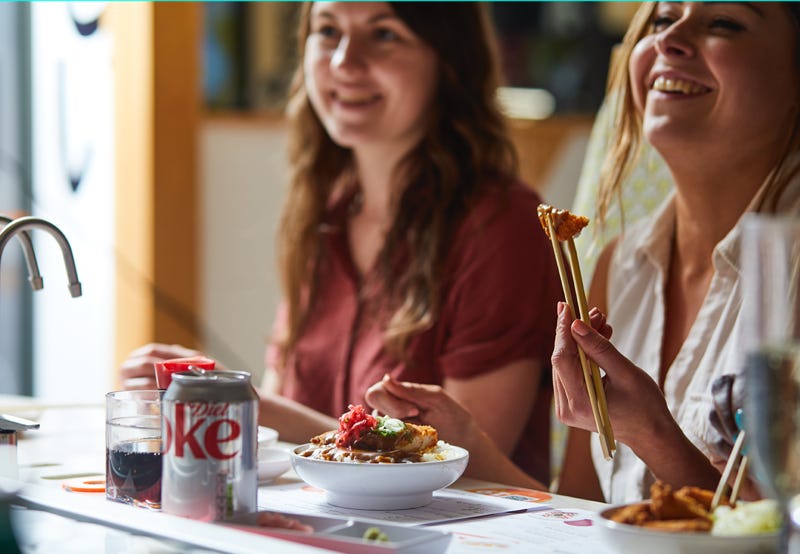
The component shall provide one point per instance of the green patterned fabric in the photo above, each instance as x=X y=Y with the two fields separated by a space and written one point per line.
x=642 y=192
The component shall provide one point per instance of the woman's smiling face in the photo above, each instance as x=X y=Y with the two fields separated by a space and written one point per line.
x=716 y=71
x=370 y=79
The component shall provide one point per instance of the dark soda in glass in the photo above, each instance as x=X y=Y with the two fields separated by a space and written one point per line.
x=133 y=472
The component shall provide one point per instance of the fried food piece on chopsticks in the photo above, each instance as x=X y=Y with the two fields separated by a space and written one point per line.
x=567 y=225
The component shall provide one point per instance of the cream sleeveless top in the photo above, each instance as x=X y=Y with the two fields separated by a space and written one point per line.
x=636 y=282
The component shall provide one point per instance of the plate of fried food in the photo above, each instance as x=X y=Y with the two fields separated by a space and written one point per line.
x=680 y=521
x=378 y=463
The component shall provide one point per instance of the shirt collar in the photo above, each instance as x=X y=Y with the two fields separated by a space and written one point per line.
x=655 y=238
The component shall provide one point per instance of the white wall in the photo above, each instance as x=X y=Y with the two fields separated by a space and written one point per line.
x=73 y=134
x=243 y=177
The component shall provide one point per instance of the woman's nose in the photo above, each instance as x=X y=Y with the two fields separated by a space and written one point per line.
x=349 y=55
x=676 y=40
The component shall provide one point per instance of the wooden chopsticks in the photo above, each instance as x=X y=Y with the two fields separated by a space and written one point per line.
x=591 y=373
x=726 y=473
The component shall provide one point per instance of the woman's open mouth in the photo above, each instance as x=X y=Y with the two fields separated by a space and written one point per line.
x=678 y=86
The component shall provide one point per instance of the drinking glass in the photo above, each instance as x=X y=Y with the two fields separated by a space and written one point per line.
x=133 y=447
x=771 y=349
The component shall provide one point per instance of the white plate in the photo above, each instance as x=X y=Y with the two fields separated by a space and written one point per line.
x=622 y=537
x=272 y=462
x=346 y=535
x=370 y=486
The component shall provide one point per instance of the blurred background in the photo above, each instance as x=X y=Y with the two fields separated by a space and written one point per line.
x=152 y=134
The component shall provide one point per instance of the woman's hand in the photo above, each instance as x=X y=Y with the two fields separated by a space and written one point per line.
x=432 y=405
x=635 y=403
x=636 y=406
x=138 y=372
x=429 y=404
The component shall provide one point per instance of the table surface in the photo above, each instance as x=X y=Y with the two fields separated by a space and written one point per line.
x=70 y=444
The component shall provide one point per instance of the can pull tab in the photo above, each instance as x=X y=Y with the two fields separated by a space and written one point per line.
x=197 y=370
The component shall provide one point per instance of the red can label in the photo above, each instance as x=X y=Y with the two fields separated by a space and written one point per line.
x=219 y=435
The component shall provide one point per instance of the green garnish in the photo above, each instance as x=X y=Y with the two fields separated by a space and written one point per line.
x=375 y=534
x=389 y=426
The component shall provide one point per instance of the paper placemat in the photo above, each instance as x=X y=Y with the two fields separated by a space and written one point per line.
x=447 y=505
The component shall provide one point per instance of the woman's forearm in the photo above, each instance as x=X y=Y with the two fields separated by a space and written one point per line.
x=672 y=457
x=293 y=421
x=488 y=463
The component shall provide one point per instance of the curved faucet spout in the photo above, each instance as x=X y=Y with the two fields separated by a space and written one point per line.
x=28 y=222
x=34 y=276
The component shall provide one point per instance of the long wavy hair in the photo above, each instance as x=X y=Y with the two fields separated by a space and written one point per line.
x=464 y=146
x=626 y=139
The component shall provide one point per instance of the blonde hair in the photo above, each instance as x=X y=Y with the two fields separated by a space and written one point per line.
x=465 y=146
x=626 y=138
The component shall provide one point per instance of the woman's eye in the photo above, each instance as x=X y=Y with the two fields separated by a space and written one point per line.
x=386 y=35
x=661 y=22
x=726 y=24
x=327 y=31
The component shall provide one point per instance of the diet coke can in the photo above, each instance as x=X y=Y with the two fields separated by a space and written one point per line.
x=210 y=439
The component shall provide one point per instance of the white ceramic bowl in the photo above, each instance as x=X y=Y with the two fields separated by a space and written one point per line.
x=623 y=538
x=371 y=486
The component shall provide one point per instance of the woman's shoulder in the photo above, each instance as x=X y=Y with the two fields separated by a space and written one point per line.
x=502 y=222
x=504 y=203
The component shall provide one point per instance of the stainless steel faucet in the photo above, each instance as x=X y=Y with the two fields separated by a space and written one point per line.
x=34 y=276
x=21 y=224
x=9 y=425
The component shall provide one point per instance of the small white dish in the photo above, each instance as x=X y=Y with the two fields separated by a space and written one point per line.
x=347 y=535
x=379 y=486
x=623 y=537
x=272 y=463
x=267 y=436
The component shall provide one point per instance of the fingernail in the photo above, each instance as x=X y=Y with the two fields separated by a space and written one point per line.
x=580 y=328
x=560 y=307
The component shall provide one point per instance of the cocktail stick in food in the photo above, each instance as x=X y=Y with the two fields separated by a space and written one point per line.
x=726 y=473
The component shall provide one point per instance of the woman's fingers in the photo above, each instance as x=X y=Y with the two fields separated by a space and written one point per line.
x=429 y=404
x=599 y=323
x=161 y=351
x=596 y=346
x=138 y=371
x=571 y=398
x=380 y=397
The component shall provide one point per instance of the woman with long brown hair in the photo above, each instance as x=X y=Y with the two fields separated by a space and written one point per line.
x=407 y=245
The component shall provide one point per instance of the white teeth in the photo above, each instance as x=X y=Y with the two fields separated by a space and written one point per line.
x=665 y=84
